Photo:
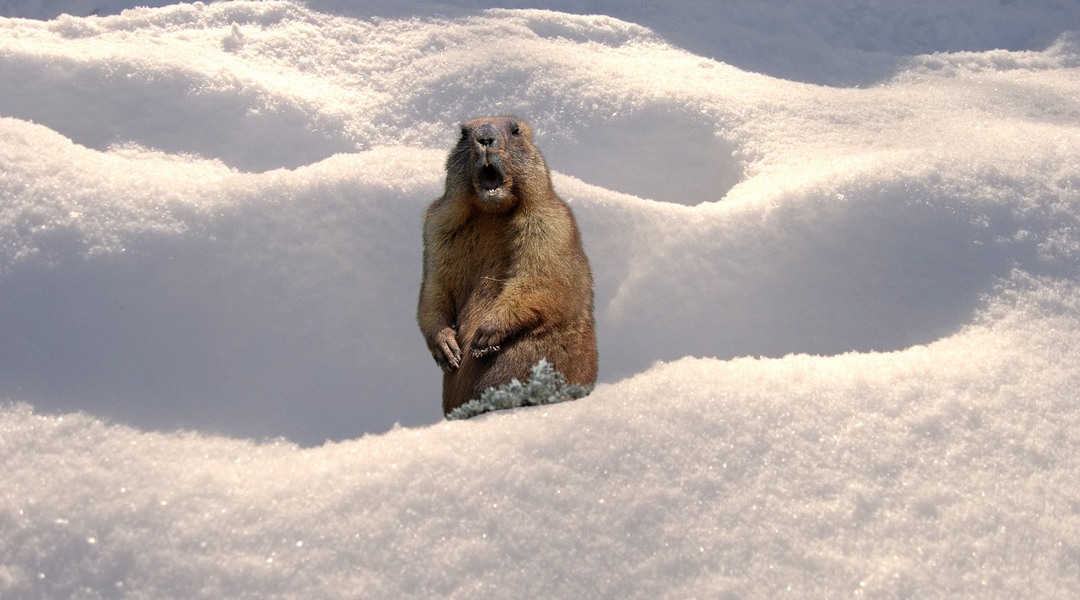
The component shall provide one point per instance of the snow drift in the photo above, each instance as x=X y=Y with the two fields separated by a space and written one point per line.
x=209 y=221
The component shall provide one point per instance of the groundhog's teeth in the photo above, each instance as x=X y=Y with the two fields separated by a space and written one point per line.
x=492 y=192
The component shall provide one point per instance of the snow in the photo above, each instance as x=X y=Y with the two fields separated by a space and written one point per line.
x=837 y=259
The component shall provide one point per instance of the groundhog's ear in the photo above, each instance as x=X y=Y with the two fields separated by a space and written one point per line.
x=464 y=132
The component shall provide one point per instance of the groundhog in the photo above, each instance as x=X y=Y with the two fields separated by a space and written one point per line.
x=506 y=281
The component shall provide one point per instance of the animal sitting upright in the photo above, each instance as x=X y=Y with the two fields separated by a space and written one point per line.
x=506 y=281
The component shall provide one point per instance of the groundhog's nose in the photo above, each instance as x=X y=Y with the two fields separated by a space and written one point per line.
x=487 y=136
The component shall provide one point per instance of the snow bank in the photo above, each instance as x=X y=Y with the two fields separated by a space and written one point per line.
x=170 y=256
x=171 y=291
x=209 y=221
x=816 y=41
x=948 y=470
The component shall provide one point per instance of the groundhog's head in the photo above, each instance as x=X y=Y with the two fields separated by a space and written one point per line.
x=496 y=160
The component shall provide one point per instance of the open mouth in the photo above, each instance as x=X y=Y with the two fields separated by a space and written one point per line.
x=490 y=179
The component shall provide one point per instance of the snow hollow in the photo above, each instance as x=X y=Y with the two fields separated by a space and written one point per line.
x=837 y=259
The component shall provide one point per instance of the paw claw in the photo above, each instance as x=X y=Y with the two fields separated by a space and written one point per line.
x=480 y=352
x=447 y=353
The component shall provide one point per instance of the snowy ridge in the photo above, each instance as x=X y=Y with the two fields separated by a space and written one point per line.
x=838 y=327
x=876 y=474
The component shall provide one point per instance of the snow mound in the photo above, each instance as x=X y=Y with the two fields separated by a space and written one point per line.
x=150 y=254
x=838 y=327
x=947 y=470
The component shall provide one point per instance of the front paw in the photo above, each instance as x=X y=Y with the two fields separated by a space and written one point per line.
x=445 y=349
x=486 y=341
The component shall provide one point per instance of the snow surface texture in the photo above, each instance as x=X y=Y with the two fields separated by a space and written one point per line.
x=831 y=42
x=209 y=220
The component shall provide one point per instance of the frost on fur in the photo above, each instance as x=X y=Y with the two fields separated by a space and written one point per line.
x=545 y=386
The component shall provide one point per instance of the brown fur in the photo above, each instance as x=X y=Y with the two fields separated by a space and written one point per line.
x=506 y=281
